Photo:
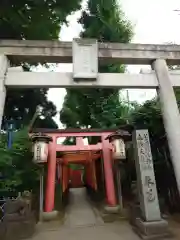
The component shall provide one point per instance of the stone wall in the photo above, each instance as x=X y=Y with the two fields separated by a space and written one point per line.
x=18 y=220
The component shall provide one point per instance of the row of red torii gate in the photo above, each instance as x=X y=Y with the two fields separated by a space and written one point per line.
x=58 y=157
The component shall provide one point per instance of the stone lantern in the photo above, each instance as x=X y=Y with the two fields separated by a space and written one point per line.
x=40 y=147
x=118 y=140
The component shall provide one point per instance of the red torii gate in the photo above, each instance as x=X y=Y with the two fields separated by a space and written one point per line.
x=104 y=147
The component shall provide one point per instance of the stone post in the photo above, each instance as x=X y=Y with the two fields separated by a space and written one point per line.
x=145 y=177
x=3 y=70
x=149 y=224
x=170 y=113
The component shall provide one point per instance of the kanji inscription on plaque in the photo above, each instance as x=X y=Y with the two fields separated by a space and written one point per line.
x=85 y=59
x=144 y=151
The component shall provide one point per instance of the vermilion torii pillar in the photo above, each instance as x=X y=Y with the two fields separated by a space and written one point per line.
x=108 y=173
x=51 y=177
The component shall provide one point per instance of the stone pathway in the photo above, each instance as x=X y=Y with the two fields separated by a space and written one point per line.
x=80 y=213
x=81 y=223
x=117 y=231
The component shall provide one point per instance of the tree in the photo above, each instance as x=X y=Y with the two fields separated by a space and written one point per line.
x=18 y=172
x=21 y=105
x=149 y=116
x=98 y=108
x=32 y=20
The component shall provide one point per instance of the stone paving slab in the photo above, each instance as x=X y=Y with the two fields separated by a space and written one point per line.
x=80 y=211
x=106 y=232
x=81 y=223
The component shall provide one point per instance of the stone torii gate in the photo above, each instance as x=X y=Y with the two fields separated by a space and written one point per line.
x=85 y=55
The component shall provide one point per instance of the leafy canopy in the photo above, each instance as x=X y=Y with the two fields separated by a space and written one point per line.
x=32 y=20
x=17 y=170
x=98 y=108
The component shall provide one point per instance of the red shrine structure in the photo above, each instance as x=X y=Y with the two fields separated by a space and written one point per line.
x=59 y=156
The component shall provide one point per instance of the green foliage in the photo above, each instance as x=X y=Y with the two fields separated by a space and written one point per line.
x=149 y=116
x=99 y=108
x=17 y=169
x=32 y=20
x=106 y=22
x=76 y=166
x=20 y=107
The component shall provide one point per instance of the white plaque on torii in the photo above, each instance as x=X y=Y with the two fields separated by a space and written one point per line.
x=85 y=59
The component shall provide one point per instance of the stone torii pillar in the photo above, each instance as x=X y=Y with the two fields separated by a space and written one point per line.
x=170 y=113
x=4 y=63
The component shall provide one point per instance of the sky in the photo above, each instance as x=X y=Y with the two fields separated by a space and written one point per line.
x=154 y=21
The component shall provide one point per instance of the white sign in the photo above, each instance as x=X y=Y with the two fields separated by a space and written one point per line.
x=40 y=150
x=119 y=151
x=85 y=59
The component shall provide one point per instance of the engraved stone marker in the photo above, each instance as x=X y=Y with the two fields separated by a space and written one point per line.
x=149 y=203
x=85 y=59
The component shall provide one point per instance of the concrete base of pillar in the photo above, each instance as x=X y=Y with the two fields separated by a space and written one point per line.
x=49 y=216
x=112 y=213
x=112 y=209
x=152 y=230
x=134 y=213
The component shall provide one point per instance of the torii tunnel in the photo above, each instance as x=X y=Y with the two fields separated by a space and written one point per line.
x=95 y=158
